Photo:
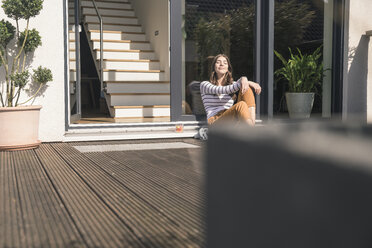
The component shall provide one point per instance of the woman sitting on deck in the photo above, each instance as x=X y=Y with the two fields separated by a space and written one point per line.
x=218 y=95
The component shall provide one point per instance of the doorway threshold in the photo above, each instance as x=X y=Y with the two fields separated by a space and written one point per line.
x=130 y=131
x=109 y=120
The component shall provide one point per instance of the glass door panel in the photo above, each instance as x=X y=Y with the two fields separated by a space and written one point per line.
x=211 y=28
x=298 y=25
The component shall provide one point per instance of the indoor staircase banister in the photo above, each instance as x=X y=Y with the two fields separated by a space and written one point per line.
x=101 y=45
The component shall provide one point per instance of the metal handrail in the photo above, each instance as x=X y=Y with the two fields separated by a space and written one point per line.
x=100 y=44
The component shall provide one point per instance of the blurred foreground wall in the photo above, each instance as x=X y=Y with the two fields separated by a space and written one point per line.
x=290 y=186
x=357 y=97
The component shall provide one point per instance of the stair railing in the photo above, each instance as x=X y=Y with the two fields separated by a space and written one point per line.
x=100 y=45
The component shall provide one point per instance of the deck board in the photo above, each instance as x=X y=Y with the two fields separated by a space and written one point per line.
x=56 y=196
x=151 y=168
x=97 y=223
x=174 y=207
x=150 y=226
x=47 y=223
x=11 y=223
x=171 y=164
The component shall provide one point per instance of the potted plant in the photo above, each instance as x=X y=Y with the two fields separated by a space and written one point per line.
x=19 y=124
x=303 y=72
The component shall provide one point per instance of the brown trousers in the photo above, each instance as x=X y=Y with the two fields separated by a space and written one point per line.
x=239 y=111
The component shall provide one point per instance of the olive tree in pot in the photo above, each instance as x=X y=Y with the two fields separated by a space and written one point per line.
x=19 y=124
x=303 y=72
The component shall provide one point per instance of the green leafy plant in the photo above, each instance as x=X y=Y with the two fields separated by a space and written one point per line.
x=33 y=40
x=13 y=55
x=303 y=72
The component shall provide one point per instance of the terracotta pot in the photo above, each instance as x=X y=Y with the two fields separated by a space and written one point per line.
x=19 y=127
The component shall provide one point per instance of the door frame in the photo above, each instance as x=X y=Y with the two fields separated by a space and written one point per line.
x=175 y=20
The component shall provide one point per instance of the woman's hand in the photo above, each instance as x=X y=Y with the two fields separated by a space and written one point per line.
x=255 y=86
x=246 y=84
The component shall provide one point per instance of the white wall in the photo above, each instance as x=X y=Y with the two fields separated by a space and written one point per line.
x=153 y=15
x=51 y=55
x=359 y=78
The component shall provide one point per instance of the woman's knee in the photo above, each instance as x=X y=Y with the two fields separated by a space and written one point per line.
x=247 y=97
x=249 y=93
x=242 y=110
x=241 y=106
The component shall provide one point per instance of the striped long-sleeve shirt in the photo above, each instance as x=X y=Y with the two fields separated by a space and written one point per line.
x=216 y=98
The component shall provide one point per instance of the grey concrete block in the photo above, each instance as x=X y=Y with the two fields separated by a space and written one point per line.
x=292 y=186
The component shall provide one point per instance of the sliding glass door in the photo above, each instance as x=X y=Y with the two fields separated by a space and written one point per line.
x=208 y=28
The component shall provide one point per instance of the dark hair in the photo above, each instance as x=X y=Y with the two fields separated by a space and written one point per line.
x=228 y=76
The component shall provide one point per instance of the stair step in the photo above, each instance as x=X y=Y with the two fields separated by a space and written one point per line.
x=122 y=45
x=113 y=1
x=130 y=65
x=127 y=60
x=126 y=54
x=111 y=20
x=138 y=99
x=121 y=54
x=107 y=34
x=131 y=14
x=142 y=71
x=72 y=54
x=138 y=94
x=114 y=24
x=106 y=5
x=137 y=87
x=111 y=12
x=110 y=8
x=117 y=28
x=105 y=1
x=133 y=50
x=121 y=41
x=103 y=9
x=141 y=107
x=105 y=12
x=140 y=111
x=130 y=75
x=117 y=45
x=115 y=35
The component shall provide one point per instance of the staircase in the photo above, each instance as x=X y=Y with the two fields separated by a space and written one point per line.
x=134 y=84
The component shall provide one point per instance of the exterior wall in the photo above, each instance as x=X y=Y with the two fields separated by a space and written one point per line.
x=359 y=81
x=154 y=16
x=49 y=23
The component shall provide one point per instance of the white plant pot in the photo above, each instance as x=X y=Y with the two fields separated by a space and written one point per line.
x=19 y=127
x=299 y=104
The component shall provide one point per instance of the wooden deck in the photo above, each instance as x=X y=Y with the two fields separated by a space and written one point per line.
x=56 y=196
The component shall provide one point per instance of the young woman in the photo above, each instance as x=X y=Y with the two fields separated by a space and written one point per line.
x=218 y=95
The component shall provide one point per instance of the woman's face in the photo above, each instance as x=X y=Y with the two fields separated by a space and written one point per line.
x=221 y=66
